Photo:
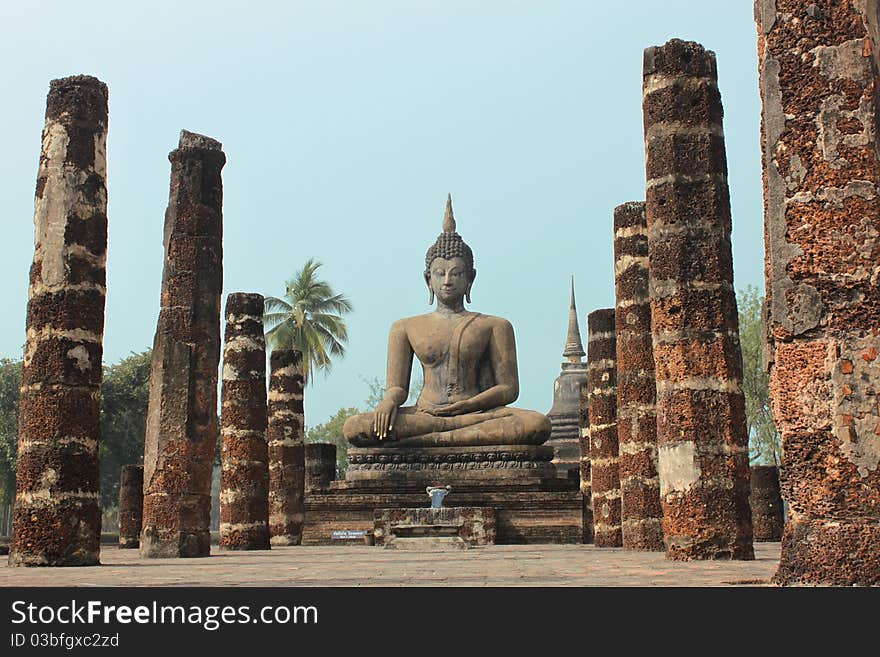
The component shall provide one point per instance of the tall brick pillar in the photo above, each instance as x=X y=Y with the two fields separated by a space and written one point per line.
x=640 y=512
x=604 y=473
x=57 y=510
x=287 y=465
x=766 y=503
x=320 y=465
x=701 y=430
x=819 y=68
x=181 y=433
x=131 y=505
x=244 y=475
x=584 y=445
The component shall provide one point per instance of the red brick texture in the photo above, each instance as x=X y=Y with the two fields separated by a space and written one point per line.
x=701 y=431
x=57 y=511
x=818 y=69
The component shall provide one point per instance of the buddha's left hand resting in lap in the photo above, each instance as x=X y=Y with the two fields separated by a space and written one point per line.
x=469 y=363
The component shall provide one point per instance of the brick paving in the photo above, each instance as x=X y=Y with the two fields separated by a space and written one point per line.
x=361 y=565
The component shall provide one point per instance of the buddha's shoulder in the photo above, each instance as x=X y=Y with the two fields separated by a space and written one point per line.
x=494 y=321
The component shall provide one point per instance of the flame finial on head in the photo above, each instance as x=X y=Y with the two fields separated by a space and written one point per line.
x=448 y=217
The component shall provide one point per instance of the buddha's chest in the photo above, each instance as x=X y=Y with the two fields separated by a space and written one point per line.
x=439 y=341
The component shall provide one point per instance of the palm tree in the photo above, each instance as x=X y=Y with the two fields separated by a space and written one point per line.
x=308 y=318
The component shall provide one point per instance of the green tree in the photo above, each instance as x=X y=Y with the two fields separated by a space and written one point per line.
x=764 y=440
x=10 y=382
x=125 y=392
x=308 y=318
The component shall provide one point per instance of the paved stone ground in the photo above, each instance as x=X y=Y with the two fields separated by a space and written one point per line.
x=360 y=565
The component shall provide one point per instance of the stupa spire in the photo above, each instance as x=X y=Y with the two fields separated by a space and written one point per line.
x=574 y=346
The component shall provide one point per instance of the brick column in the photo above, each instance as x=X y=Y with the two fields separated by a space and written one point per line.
x=181 y=433
x=57 y=510
x=320 y=465
x=287 y=469
x=584 y=445
x=244 y=474
x=701 y=430
x=766 y=503
x=604 y=474
x=641 y=515
x=131 y=505
x=819 y=66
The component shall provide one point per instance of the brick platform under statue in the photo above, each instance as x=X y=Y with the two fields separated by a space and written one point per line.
x=533 y=503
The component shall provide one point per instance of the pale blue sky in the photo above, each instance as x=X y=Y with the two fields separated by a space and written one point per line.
x=346 y=123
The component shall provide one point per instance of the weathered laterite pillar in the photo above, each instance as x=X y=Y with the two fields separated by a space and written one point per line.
x=641 y=515
x=766 y=503
x=320 y=465
x=57 y=511
x=604 y=473
x=287 y=469
x=244 y=458
x=701 y=429
x=181 y=433
x=819 y=68
x=584 y=445
x=131 y=505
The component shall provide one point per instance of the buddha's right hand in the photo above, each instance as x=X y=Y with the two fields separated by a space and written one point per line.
x=383 y=418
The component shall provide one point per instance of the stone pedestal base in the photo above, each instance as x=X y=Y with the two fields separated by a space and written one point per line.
x=434 y=529
x=430 y=466
x=533 y=504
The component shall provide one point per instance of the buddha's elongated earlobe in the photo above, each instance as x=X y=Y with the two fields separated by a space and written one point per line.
x=467 y=294
x=431 y=299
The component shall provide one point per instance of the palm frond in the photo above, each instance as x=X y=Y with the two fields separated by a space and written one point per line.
x=308 y=318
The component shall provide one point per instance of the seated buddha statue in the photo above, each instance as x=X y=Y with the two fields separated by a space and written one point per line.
x=469 y=364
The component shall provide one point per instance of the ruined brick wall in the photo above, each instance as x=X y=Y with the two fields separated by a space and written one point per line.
x=181 y=433
x=57 y=510
x=819 y=64
x=604 y=473
x=286 y=448
x=640 y=510
x=701 y=430
x=244 y=457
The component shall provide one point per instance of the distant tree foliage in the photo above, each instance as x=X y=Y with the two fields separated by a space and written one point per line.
x=124 y=396
x=764 y=440
x=10 y=382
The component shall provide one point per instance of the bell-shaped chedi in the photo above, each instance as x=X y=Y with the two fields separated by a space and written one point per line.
x=564 y=414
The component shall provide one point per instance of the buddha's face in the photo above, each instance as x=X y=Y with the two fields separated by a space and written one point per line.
x=450 y=279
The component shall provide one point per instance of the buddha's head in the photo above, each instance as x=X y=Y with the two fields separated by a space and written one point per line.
x=449 y=263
